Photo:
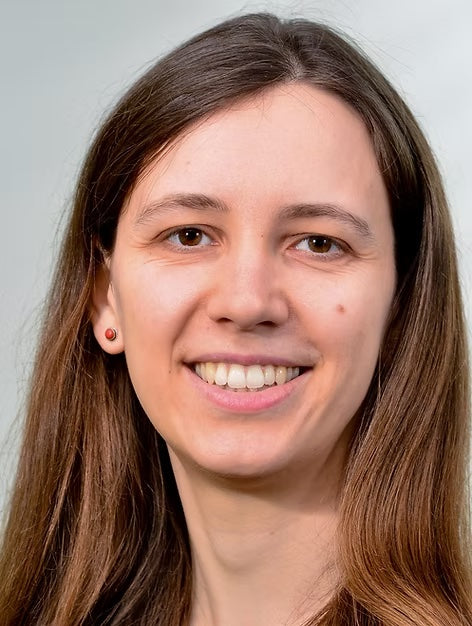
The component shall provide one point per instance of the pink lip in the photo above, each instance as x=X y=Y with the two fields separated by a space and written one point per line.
x=246 y=401
x=247 y=359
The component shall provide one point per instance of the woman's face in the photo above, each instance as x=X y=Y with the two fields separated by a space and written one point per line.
x=259 y=247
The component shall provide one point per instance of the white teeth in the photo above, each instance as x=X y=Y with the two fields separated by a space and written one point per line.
x=236 y=377
x=240 y=377
x=210 y=371
x=221 y=375
x=269 y=375
x=280 y=375
x=254 y=377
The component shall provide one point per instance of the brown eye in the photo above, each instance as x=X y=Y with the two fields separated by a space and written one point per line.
x=319 y=244
x=190 y=236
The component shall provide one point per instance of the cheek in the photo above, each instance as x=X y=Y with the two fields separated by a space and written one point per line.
x=155 y=295
x=155 y=303
x=349 y=335
x=347 y=316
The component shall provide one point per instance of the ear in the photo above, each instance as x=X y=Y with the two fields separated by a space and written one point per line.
x=103 y=312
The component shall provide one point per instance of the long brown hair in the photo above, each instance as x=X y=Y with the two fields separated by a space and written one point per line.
x=96 y=533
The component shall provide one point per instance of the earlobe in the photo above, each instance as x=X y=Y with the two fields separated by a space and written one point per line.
x=103 y=313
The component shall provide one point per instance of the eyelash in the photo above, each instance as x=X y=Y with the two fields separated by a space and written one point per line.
x=341 y=248
x=178 y=231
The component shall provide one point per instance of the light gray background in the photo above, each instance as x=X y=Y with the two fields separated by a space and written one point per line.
x=63 y=62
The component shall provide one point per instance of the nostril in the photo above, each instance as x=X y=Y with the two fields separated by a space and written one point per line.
x=246 y=307
x=247 y=325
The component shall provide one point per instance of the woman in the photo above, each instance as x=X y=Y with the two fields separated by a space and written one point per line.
x=250 y=398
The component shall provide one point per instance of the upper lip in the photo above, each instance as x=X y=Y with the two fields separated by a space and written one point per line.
x=249 y=359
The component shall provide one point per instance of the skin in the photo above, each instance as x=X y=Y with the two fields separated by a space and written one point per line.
x=253 y=285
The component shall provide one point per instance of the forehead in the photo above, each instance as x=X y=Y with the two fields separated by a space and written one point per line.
x=286 y=145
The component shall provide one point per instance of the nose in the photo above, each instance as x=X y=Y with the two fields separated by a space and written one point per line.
x=248 y=291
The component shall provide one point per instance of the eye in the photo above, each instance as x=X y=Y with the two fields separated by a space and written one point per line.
x=320 y=245
x=189 y=236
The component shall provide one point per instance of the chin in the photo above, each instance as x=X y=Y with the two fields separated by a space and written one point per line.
x=237 y=463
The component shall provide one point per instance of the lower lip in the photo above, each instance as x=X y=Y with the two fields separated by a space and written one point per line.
x=246 y=401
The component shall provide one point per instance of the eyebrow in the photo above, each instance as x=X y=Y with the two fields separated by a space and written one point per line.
x=173 y=202
x=202 y=202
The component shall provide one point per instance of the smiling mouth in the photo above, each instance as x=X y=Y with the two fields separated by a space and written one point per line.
x=236 y=377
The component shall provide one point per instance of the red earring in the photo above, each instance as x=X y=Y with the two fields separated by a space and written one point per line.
x=111 y=334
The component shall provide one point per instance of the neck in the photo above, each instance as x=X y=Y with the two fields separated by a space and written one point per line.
x=262 y=550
